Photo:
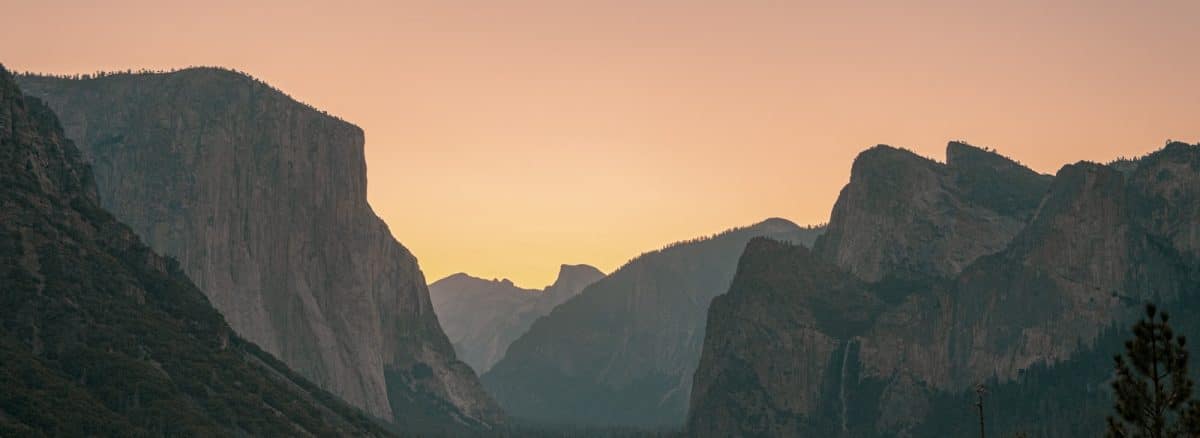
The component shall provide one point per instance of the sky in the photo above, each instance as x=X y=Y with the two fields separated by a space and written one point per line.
x=504 y=138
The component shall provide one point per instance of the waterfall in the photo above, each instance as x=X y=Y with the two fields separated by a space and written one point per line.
x=842 y=384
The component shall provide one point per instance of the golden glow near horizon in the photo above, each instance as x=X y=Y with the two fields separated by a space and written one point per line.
x=507 y=137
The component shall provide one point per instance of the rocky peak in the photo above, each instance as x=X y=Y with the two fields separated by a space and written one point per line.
x=569 y=275
x=883 y=167
x=575 y=272
x=467 y=283
x=571 y=280
x=460 y=276
x=1179 y=147
x=995 y=182
x=891 y=220
x=883 y=153
x=964 y=156
x=482 y=317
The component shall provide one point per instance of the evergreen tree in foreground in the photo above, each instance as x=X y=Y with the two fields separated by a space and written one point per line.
x=1153 y=389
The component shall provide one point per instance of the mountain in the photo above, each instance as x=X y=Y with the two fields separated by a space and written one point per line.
x=482 y=317
x=263 y=202
x=906 y=215
x=794 y=309
x=99 y=335
x=985 y=275
x=623 y=351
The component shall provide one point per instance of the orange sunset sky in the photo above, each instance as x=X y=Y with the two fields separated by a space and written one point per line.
x=507 y=137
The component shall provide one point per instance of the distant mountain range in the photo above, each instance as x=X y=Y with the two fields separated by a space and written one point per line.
x=623 y=351
x=263 y=202
x=482 y=317
x=934 y=278
x=101 y=336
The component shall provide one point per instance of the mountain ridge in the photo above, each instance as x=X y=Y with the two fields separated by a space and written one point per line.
x=482 y=317
x=1099 y=242
x=621 y=353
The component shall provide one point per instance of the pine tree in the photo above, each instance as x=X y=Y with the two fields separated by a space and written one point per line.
x=1152 y=386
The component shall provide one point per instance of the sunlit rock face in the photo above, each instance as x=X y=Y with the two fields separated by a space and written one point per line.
x=482 y=317
x=263 y=202
x=623 y=351
x=938 y=285
x=903 y=214
x=101 y=336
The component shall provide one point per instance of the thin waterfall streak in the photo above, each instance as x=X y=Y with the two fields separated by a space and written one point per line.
x=842 y=391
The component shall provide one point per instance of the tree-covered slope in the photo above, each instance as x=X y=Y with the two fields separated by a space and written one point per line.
x=623 y=351
x=101 y=336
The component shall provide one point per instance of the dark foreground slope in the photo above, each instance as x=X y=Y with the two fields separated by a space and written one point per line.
x=482 y=317
x=101 y=336
x=623 y=351
x=1036 y=315
x=263 y=201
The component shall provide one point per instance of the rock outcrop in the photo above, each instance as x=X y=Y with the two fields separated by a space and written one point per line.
x=906 y=215
x=263 y=202
x=623 y=351
x=961 y=304
x=798 y=311
x=99 y=335
x=482 y=317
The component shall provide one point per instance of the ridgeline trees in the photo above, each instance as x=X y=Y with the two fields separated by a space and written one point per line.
x=1153 y=388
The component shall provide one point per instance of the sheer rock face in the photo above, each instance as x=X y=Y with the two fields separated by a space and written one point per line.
x=906 y=215
x=482 y=317
x=1102 y=241
x=263 y=202
x=623 y=351
x=101 y=336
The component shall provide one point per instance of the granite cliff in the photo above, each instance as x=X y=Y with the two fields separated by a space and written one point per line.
x=623 y=351
x=101 y=336
x=964 y=285
x=906 y=215
x=482 y=317
x=263 y=202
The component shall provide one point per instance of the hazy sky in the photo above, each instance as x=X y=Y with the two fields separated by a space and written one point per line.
x=507 y=137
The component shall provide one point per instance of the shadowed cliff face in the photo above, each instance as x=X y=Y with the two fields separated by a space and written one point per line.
x=1102 y=241
x=99 y=335
x=263 y=201
x=623 y=351
x=482 y=317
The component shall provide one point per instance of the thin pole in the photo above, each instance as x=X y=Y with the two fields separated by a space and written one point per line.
x=979 y=390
